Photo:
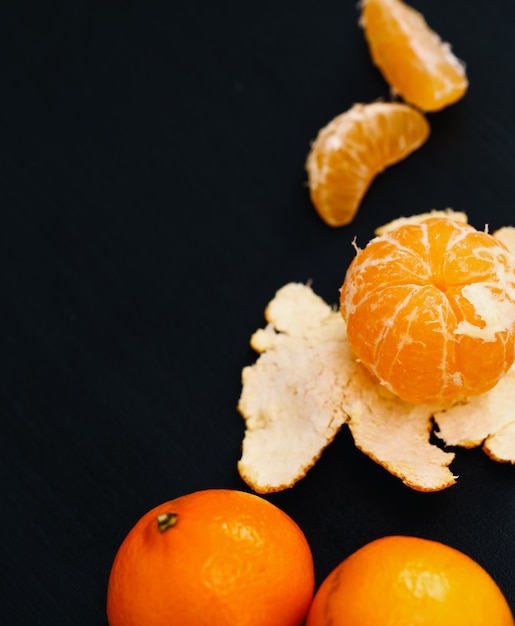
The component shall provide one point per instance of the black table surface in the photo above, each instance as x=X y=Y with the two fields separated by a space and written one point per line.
x=153 y=199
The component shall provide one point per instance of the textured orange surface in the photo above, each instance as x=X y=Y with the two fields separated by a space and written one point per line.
x=229 y=558
x=402 y=581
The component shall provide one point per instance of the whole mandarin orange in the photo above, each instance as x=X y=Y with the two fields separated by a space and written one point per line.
x=403 y=581
x=217 y=557
x=430 y=310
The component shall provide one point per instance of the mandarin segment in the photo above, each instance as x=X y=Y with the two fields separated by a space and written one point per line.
x=353 y=148
x=403 y=353
x=413 y=59
x=421 y=334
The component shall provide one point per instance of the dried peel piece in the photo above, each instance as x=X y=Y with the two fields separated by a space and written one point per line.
x=396 y=435
x=500 y=446
x=470 y=424
x=306 y=384
x=291 y=396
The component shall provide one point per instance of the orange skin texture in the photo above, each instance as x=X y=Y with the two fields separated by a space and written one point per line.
x=231 y=558
x=417 y=302
x=402 y=581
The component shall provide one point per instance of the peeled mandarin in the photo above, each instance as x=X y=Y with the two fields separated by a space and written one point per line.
x=430 y=310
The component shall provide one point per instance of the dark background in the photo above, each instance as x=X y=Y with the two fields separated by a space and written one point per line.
x=152 y=201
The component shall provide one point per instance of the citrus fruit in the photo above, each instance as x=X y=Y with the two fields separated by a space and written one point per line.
x=353 y=148
x=413 y=59
x=430 y=310
x=402 y=581
x=217 y=557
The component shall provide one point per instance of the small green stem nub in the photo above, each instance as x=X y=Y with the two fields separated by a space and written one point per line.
x=166 y=521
